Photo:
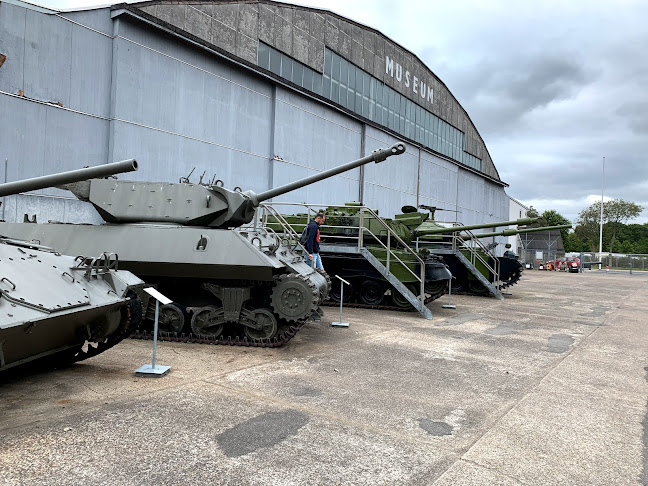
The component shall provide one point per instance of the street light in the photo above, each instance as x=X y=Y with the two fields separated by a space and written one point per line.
x=601 y=221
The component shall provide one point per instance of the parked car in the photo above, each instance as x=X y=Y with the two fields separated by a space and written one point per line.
x=570 y=264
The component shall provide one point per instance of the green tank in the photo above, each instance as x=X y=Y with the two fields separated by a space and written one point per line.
x=431 y=240
x=367 y=286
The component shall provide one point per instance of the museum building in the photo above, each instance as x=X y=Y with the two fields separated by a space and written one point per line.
x=254 y=93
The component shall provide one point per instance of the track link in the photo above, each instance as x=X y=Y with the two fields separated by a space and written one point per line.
x=275 y=342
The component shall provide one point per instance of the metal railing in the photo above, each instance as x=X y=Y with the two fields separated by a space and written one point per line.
x=357 y=235
x=459 y=243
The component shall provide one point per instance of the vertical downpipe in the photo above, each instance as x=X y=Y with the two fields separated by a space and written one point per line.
x=363 y=135
x=273 y=123
x=6 y=171
x=112 y=114
x=418 y=180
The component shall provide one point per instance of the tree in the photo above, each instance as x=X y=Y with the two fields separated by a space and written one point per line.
x=615 y=212
x=551 y=217
x=532 y=212
x=618 y=212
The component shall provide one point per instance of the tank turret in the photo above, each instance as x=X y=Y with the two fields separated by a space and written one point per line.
x=55 y=180
x=194 y=204
x=513 y=231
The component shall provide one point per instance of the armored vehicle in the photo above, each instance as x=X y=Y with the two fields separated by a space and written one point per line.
x=463 y=253
x=367 y=285
x=475 y=269
x=59 y=308
x=230 y=285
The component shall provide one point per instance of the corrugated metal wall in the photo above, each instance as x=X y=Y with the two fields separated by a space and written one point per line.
x=174 y=107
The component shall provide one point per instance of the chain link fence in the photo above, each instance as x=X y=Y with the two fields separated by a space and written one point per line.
x=590 y=260
x=615 y=261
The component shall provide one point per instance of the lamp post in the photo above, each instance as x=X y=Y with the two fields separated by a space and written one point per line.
x=601 y=221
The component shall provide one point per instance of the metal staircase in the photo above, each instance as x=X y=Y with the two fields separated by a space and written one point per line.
x=359 y=247
x=472 y=246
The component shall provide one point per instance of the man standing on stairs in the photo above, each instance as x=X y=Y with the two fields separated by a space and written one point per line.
x=312 y=241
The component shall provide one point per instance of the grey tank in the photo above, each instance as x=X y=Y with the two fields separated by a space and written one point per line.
x=60 y=308
x=230 y=284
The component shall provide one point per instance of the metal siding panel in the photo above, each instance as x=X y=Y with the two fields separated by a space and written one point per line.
x=163 y=93
x=98 y=19
x=391 y=184
x=90 y=77
x=166 y=158
x=12 y=45
x=310 y=136
x=39 y=140
x=47 y=68
x=438 y=184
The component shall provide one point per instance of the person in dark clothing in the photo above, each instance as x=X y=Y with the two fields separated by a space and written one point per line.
x=312 y=242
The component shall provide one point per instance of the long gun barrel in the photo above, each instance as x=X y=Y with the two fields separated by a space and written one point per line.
x=454 y=229
x=67 y=177
x=194 y=204
x=376 y=156
x=513 y=232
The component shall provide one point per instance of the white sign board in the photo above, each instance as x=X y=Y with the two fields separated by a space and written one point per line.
x=157 y=296
x=538 y=255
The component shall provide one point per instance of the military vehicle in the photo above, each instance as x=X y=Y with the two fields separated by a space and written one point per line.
x=474 y=268
x=367 y=286
x=58 y=308
x=459 y=245
x=230 y=285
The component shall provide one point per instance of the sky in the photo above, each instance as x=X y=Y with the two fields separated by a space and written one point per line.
x=552 y=86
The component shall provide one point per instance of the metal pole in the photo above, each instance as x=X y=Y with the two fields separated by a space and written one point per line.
x=340 y=323
x=155 y=331
x=449 y=304
x=341 y=299
x=601 y=221
x=630 y=264
x=361 y=228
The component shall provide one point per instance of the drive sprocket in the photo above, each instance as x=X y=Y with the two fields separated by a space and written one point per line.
x=294 y=297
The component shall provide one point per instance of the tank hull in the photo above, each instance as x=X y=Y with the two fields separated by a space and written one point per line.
x=53 y=304
x=230 y=276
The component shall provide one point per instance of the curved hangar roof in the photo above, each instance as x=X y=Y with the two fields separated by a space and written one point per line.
x=335 y=59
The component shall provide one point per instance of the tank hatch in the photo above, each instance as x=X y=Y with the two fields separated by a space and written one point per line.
x=26 y=278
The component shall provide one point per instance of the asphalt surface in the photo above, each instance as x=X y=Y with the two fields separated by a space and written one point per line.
x=547 y=387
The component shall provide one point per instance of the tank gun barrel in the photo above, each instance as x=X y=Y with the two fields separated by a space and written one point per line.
x=513 y=232
x=67 y=177
x=454 y=229
x=376 y=156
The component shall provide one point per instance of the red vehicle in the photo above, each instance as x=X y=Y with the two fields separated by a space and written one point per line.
x=570 y=264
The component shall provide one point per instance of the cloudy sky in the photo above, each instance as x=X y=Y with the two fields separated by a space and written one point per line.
x=552 y=86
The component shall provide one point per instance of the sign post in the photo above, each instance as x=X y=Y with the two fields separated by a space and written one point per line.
x=153 y=370
x=340 y=323
x=449 y=305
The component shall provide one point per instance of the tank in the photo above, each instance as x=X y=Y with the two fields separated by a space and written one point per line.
x=432 y=240
x=367 y=286
x=229 y=284
x=57 y=308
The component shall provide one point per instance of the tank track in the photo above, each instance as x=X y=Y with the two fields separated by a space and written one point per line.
x=357 y=305
x=514 y=278
x=221 y=340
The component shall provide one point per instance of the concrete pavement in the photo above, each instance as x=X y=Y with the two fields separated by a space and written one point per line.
x=547 y=387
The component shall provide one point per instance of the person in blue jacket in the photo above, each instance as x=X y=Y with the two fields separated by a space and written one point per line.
x=312 y=242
